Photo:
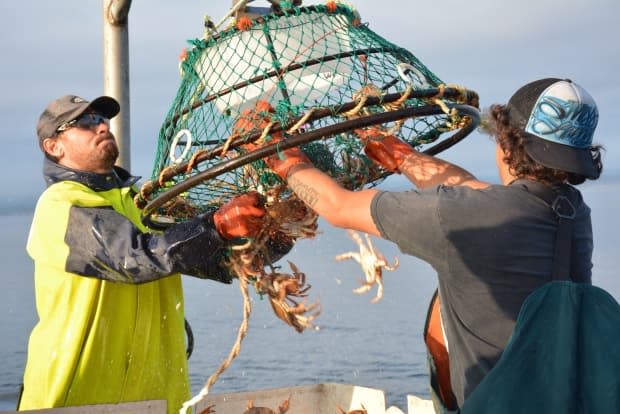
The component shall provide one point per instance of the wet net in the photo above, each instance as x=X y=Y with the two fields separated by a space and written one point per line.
x=326 y=74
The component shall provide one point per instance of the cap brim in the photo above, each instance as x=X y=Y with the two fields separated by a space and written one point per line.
x=106 y=106
x=561 y=157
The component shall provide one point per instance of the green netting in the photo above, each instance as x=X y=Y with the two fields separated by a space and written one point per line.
x=319 y=67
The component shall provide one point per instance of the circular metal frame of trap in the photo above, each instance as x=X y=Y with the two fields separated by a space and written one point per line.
x=331 y=130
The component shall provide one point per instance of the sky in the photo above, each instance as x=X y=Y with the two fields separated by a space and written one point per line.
x=52 y=48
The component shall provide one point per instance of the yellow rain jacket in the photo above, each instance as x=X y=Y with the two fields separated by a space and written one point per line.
x=108 y=295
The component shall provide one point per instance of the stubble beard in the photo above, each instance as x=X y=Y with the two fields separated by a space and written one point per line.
x=109 y=154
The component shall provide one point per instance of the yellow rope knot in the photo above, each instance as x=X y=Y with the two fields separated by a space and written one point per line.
x=302 y=121
x=361 y=97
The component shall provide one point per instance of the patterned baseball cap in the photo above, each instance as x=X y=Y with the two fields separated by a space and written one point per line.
x=558 y=118
x=69 y=107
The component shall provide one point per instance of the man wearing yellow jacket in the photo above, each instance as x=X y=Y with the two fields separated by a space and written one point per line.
x=108 y=292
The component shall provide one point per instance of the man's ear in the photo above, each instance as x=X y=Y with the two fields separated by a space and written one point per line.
x=53 y=146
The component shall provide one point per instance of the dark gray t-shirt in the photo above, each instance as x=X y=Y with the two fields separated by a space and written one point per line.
x=491 y=248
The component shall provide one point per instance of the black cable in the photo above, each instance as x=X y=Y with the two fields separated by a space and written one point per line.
x=190 y=339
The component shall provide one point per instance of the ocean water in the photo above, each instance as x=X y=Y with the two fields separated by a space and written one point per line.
x=355 y=342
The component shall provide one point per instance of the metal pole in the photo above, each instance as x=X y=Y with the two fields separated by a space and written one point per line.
x=116 y=71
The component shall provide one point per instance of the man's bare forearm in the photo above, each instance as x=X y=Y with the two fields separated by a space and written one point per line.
x=426 y=171
x=340 y=207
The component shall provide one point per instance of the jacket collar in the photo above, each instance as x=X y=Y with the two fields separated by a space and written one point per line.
x=118 y=178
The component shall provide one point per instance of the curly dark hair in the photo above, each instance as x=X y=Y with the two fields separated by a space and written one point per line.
x=512 y=141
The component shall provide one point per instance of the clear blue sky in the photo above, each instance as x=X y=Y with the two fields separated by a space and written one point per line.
x=51 y=48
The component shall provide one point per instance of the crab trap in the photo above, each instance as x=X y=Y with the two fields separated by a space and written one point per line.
x=326 y=75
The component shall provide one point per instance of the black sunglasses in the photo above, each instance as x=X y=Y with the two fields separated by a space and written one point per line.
x=85 y=121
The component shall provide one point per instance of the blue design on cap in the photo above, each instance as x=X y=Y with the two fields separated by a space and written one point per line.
x=565 y=122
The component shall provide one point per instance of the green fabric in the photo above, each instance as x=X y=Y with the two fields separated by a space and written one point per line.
x=98 y=341
x=563 y=356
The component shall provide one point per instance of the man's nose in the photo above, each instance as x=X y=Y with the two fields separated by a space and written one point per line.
x=102 y=127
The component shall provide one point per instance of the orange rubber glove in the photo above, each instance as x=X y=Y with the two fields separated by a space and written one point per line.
x=239 y=217
x=387 y=151
x=255 y=120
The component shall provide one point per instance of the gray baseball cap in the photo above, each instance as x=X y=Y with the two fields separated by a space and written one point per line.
x=69 y=107
x=558 y=118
